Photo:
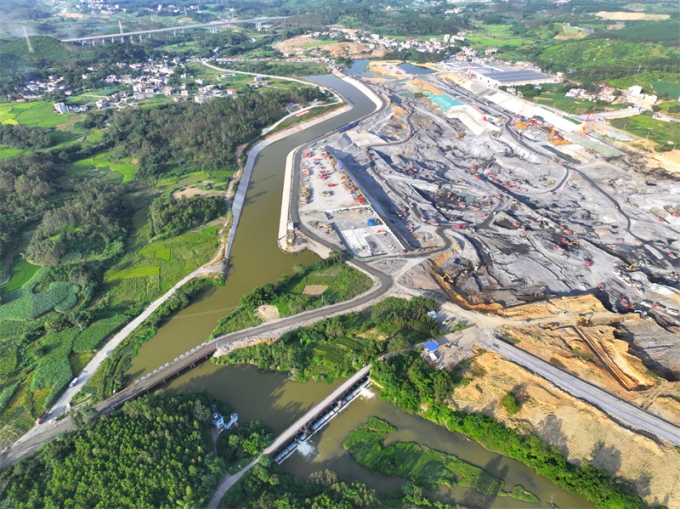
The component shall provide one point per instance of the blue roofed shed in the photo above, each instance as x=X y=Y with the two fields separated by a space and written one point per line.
x=431 y=346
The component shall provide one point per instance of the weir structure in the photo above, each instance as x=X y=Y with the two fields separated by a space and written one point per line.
x=302 y=429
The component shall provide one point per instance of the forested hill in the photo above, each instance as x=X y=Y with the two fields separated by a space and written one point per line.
x=189 y=137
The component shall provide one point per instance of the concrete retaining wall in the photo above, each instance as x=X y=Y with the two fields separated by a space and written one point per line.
x=240 y=197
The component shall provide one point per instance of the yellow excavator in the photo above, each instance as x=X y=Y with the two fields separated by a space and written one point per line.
x=556 y=139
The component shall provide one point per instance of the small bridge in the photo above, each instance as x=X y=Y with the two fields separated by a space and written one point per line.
x=159 y=376
x=302 y=429
x=258 y=22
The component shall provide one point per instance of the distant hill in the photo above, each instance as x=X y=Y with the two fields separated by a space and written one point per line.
x=609 y=57
x=44 y=49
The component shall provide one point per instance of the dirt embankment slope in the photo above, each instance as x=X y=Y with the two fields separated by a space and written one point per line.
x=631 y=16
x=579 y=430
x=298 y=45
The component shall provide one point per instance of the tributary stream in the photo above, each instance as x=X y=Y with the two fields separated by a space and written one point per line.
x=277 y=401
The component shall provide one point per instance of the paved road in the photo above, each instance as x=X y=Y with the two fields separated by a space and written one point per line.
x=94 y=364
x=627 y=414
x=170 y=29
x=227 y=482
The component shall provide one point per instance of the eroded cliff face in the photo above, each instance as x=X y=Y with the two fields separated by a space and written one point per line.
x=580 y=431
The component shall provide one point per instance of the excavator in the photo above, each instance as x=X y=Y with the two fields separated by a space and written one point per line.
x=556 y=139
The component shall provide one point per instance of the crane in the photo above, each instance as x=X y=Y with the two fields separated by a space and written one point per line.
x=588 y=124
x=556 y=139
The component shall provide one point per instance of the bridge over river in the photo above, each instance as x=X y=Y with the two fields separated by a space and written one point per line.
x=302 y=429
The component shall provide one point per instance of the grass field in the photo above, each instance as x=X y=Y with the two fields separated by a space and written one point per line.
x=115 y=275
x=646 y=127
x=668 y=88
x=422 y=465
x=574 y=106
x=496 y=35
x=147 y=273
x=102 y=161
x=646 y=80
x=20 y=273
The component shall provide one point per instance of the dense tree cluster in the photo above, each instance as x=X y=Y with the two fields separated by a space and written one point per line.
x=267 y=486
x=156 y=452
x=19 y=136
x=170 y=216
x=28 y=185
x=91 y=224
x=337 y=347
x=207 y=136
x=410 y=384
x=246 y=440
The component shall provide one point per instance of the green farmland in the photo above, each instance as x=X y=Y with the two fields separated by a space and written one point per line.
x=664 y=134
x=151 y=271
x=101 y=161
x=20 y=273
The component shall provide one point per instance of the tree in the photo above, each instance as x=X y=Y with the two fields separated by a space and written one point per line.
x=510 y=403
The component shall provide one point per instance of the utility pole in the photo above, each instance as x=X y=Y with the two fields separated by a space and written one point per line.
x=120 y=26
x=28 y=41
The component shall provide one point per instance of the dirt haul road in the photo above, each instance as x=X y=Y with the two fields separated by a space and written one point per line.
x=621 y=411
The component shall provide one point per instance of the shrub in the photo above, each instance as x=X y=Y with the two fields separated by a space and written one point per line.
x=91 y=337
x=510 y=403
x=6 y=394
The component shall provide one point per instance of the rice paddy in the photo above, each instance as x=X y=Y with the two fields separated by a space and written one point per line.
x=143 y=275
x=20 y=273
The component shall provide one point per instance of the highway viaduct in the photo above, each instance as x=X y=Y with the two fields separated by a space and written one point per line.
x=258 y=22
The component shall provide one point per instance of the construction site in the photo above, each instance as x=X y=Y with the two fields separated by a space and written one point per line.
x=565 y=249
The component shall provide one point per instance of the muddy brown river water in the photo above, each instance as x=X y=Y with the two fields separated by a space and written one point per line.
x=277 y=401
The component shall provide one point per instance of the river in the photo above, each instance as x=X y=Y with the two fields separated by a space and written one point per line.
x=274 y=399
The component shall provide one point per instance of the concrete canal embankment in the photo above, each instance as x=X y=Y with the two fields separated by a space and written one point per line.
x=285 y=223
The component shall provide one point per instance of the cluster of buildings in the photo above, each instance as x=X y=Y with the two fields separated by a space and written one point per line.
x=62 y=108
x=375 y=41
x=209 y=92
x=37 y=88
x=148 y=80
x=495 y=73
x=98 y=7
x=102 y=7
x=632 y=95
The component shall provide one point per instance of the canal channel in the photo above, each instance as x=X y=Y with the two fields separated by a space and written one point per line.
x=277 y=401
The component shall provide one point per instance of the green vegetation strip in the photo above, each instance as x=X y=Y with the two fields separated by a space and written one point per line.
x=341 y=281
x=425 y=466
x=338 y=347
x=409 y=383
x=665 y=134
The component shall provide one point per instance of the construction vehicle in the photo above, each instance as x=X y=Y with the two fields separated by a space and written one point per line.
x=556 y=139
x=588 y=124
x=550 y=326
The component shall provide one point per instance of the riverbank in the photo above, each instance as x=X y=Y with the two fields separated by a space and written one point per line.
x=285 y=222
x=253 y=154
